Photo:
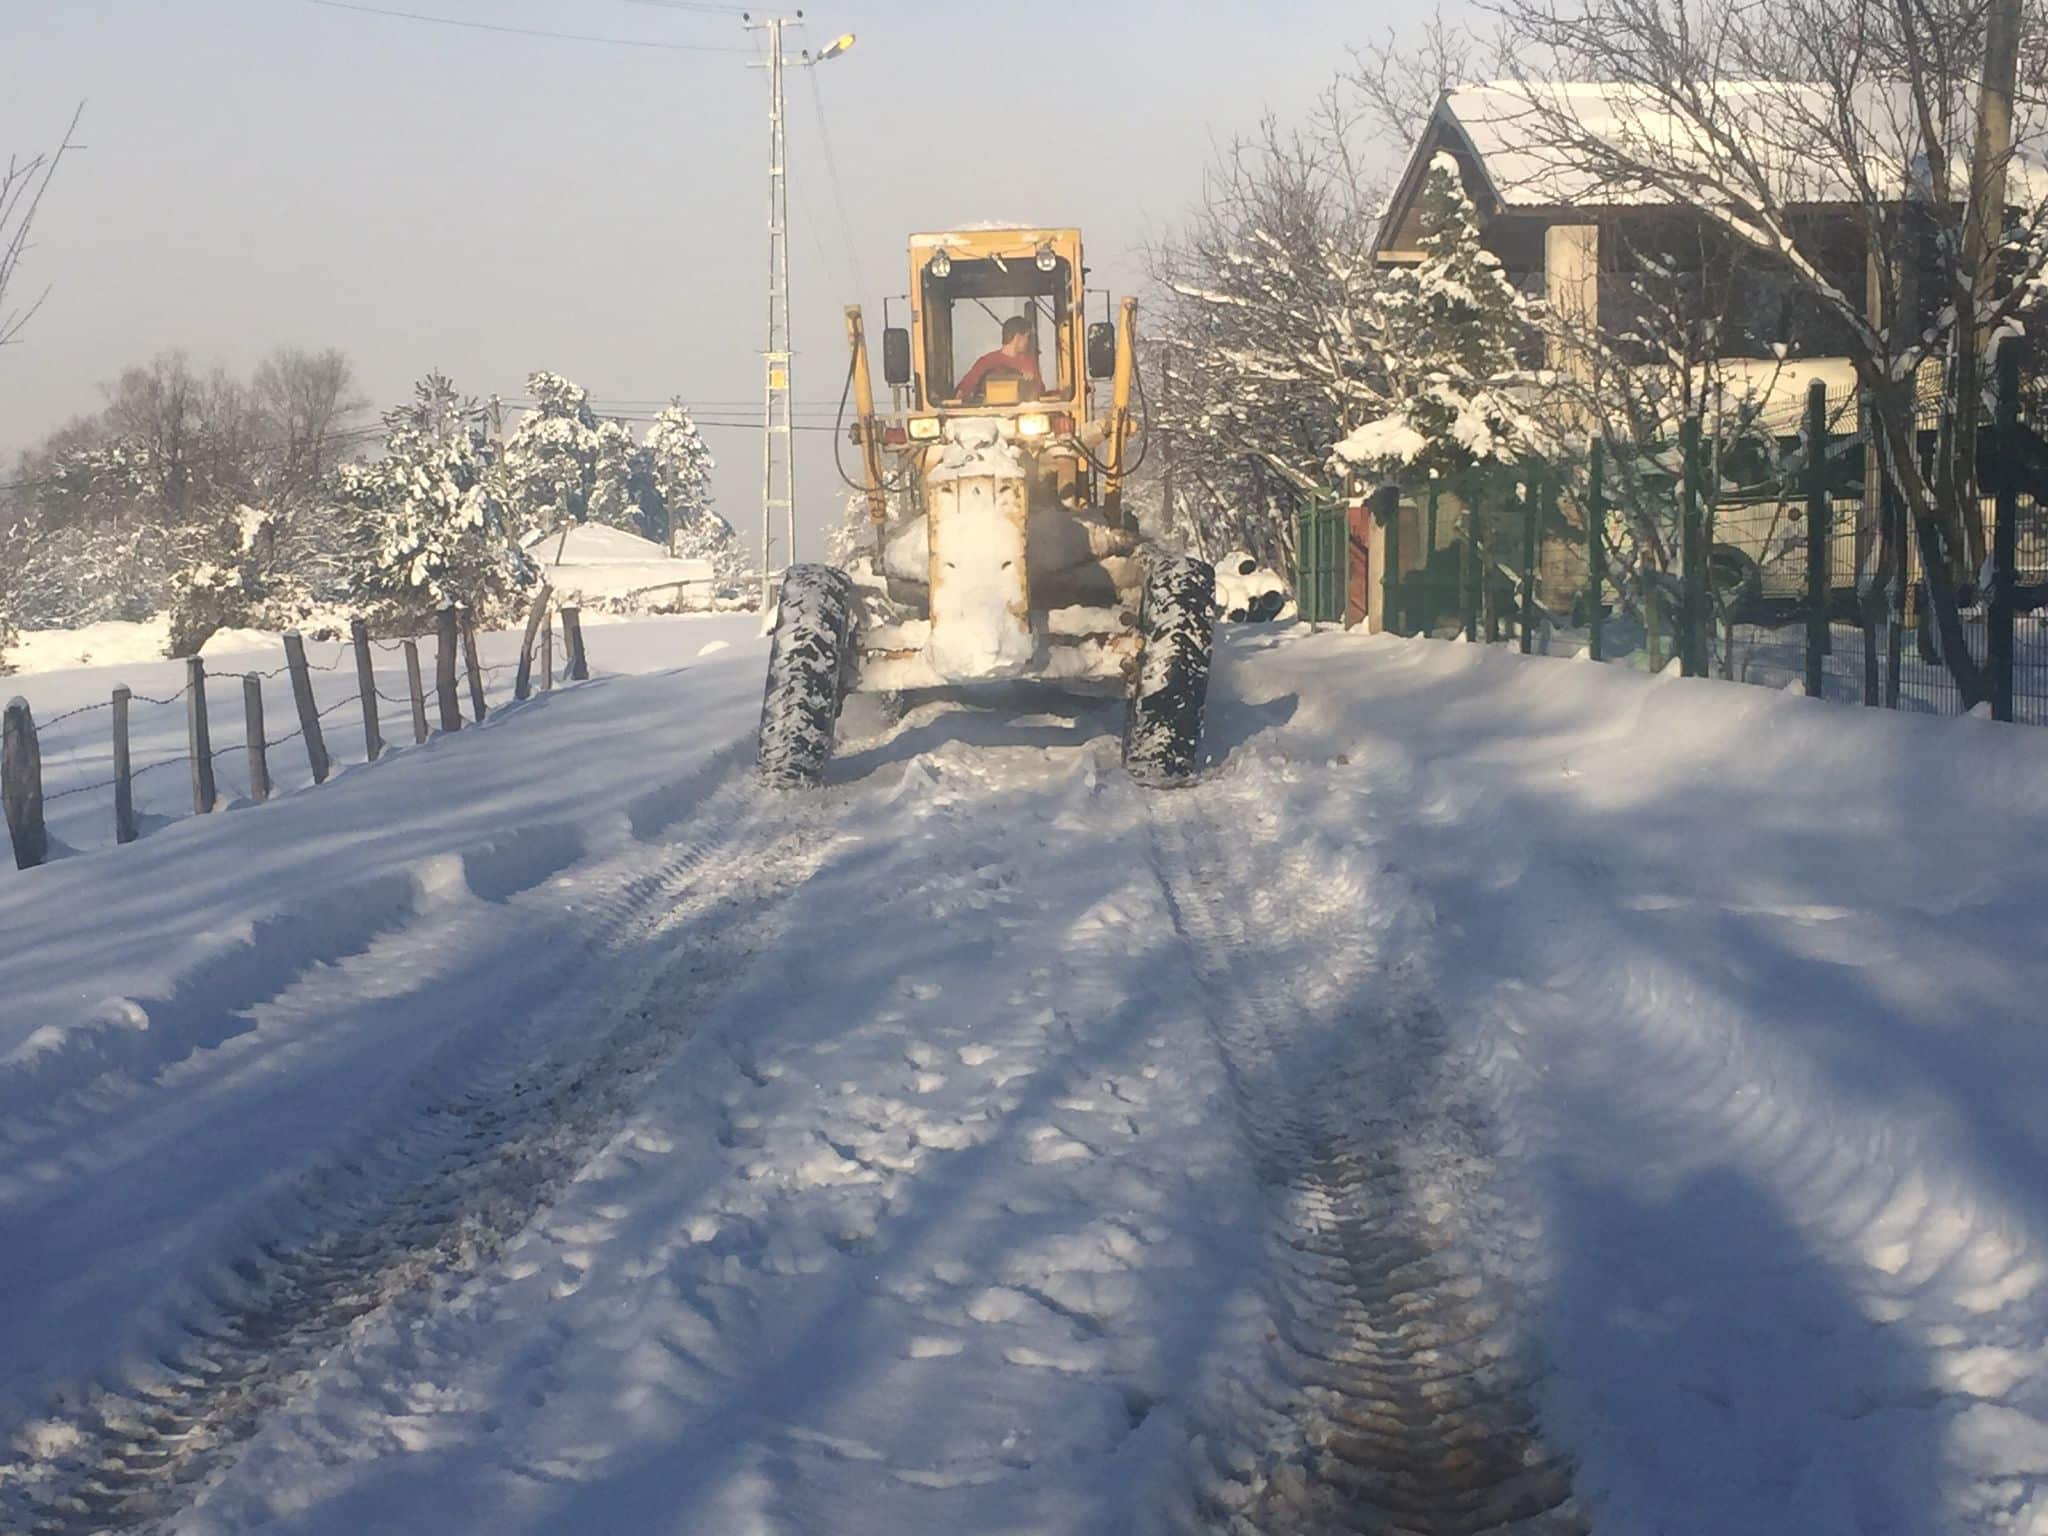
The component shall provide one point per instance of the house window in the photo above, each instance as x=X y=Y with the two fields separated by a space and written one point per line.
x=1673 y=283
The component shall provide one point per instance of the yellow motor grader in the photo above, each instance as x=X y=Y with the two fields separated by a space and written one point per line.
x=1001 y=547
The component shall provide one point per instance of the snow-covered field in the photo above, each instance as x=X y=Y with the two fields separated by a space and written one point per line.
x=1510 y=1081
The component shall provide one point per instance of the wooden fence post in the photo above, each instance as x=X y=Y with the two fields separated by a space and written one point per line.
x=198 y=739
x=258 y=748
x=523 y=685
x=21 y=785
x=366 y=686
x=478 y=709
x=417 y=690
x=124 y=779
x=1819 y=540
x=1596 y=546
x=444 y=669
x=572 y=637
x=309 y=712
x=547 y=656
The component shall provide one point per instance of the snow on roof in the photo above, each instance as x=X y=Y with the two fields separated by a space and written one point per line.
x=595 y=544
x=983 y=227
x=1512 y=129
x=591 y=561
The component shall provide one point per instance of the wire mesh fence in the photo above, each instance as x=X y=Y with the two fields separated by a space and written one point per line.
x=103 y=749
x=1781 y=556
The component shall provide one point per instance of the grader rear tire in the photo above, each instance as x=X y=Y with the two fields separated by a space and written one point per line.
x=1163 y=724
x=808 y=673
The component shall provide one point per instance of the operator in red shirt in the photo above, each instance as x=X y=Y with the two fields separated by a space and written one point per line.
x=1018 y=354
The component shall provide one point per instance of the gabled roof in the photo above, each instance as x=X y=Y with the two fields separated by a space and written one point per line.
x=1503 y=135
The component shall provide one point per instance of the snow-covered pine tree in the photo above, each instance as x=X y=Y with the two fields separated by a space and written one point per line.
x=564 y=465
x=851 y=540
x=1449 y=328
x=678 y=472
x=431 y=525
x=679 y=478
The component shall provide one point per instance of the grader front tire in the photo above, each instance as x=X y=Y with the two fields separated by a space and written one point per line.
x=808 y=674
x=1163 y=724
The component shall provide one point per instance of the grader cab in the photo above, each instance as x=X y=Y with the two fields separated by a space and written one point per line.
x=1001 y=549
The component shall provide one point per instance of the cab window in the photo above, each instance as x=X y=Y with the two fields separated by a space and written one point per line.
x=964 y=315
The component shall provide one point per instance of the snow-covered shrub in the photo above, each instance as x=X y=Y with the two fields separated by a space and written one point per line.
x=237 y=581
x=431 y=527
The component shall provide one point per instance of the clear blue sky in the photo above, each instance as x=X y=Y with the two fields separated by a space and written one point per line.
x=269 y=171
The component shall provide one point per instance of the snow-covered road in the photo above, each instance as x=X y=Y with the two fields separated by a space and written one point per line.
x=1503 y=1090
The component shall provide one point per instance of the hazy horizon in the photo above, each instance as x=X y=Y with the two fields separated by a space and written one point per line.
x=260 y=173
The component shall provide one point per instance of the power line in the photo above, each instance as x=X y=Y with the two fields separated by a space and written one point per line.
x=491 y=26
x=838 y=191
x=693 y=5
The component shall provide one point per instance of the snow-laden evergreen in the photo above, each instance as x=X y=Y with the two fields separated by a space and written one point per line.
x=1449 y=330
x=565 y=465
x=433 y=527
x=678 y=505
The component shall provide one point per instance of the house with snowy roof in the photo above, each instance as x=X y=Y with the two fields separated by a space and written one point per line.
x=1591 y=249
x=1622 y=256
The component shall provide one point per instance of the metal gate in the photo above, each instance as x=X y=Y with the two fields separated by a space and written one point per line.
x=1322 y=548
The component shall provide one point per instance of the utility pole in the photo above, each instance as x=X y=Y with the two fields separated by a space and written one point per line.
x=778 y=428
x=778 y=456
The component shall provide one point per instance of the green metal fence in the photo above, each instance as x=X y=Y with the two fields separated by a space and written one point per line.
x=1773 y=567
x=1322 y=548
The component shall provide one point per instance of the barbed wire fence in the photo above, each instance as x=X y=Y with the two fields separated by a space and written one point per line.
x=22 y=780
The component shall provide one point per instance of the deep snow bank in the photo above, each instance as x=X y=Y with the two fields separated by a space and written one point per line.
x=1754 y=984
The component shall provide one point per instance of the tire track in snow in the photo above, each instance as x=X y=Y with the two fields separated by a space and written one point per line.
x=436 y=1199
x=1395 y=1399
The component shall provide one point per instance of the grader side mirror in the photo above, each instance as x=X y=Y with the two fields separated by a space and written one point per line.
x=1101 y=350
x=896 y=355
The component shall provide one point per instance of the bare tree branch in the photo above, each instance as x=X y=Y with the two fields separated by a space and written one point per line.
x=22 y=186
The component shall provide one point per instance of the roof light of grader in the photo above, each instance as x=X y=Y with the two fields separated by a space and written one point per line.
x=941 y=265
x=1046 y=259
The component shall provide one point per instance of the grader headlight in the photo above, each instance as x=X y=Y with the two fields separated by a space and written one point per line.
x=924 y=429
x=1034 y=426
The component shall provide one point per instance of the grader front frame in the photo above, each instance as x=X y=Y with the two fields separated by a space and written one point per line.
x=1001 y=547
